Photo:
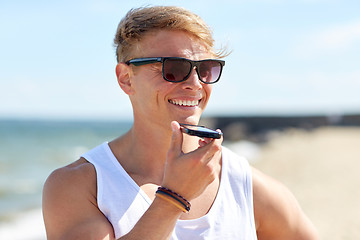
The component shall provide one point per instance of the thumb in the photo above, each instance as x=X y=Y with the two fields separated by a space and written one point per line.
x=176 y=139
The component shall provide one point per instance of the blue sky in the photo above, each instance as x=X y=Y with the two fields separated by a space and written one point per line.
x=289 y=57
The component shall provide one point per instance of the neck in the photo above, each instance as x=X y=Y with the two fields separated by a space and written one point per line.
x=142 y=151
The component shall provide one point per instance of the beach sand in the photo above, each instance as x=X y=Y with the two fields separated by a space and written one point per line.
x=321 y=167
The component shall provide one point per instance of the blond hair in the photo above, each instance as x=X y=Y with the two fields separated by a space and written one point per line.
x=139 y=21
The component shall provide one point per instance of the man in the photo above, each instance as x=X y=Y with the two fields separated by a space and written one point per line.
x=155 y=182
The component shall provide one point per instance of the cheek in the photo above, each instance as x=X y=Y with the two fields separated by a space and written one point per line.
x=163 y=89
x=208 y=90
x=154 y=94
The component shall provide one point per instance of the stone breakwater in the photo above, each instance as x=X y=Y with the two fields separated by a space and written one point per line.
x=236 y=128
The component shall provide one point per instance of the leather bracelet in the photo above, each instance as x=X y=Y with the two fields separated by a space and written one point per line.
x=175 y=196
x=172 y=201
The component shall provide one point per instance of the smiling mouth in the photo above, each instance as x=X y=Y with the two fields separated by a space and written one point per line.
x=185 y=103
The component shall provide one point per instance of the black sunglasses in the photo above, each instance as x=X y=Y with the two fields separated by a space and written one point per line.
x=176 y=69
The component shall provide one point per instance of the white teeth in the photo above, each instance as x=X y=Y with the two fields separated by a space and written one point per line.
x=185 y=103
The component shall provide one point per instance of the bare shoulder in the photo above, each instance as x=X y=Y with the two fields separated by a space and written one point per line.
x=277 y=212
x=78 y=173
x=77 y=179
x=70 y=204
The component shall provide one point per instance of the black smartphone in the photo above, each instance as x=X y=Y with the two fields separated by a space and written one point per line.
x=199 y=131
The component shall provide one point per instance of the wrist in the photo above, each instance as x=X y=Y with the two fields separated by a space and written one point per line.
x=167 y=207
x=173 y=198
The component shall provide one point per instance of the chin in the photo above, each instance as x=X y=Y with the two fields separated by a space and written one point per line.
x=194 y=120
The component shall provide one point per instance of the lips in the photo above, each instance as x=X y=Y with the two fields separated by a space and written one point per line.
x=185 y=103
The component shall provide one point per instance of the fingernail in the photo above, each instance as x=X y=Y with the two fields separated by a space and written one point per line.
x=173 y=126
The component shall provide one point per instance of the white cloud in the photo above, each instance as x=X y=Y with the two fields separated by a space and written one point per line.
x=335 y=39
x=342 y=83
x=340 y=36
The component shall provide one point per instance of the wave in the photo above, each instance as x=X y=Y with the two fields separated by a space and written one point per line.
x=27 y=225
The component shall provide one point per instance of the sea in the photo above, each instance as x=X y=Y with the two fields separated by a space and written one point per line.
x=30 y=150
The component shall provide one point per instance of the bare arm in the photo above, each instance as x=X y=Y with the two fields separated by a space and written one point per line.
x=186 y=174
x=70 y=209
x=70 y=206
x=277 y=213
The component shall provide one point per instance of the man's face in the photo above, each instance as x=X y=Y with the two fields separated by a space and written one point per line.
x=157 y=100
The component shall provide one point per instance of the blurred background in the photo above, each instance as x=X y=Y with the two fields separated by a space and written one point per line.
x=288 y=98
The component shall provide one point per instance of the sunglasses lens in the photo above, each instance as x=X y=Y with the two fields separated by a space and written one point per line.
x=210 y=71
x=176 y=70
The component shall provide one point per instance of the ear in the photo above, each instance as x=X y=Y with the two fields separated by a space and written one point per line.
x=123 y=74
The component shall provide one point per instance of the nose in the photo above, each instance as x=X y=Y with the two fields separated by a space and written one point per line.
x=193 y=82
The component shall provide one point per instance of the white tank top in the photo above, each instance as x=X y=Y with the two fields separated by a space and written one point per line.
x=123 y=202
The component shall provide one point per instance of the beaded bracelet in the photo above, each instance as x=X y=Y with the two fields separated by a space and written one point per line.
x=165 y=192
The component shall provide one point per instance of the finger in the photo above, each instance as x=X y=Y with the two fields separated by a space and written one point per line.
x=220 y=140
x=176 y=139
x=205 y=153
x=204 y=141
x=219 y=131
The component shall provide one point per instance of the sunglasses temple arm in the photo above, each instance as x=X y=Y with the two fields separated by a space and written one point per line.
x=144 y=61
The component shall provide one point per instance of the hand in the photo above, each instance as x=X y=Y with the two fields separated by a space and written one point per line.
x=189 y=174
